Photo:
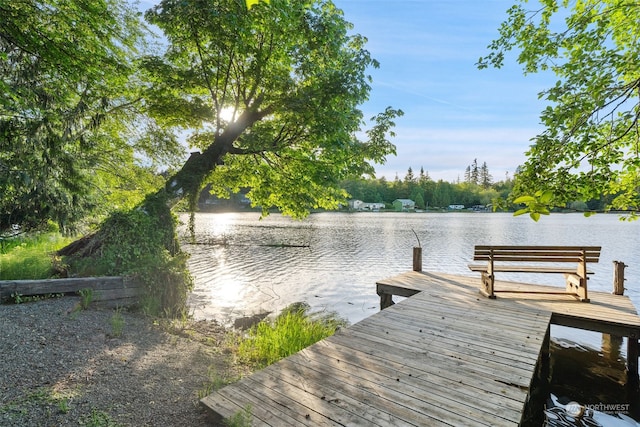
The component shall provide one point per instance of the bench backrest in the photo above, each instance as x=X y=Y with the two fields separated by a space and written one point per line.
x=537 y=253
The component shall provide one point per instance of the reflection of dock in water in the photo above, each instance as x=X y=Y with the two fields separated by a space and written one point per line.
x=444 y=356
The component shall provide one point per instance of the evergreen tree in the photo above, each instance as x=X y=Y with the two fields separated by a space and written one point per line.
x=475 y=174
x=485 y=177
x=69 y=106
x=409 y=178
x=419 y=199
x=424 y=178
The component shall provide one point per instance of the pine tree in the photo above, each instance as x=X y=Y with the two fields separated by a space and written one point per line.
x=485 y=177
x=475 y=177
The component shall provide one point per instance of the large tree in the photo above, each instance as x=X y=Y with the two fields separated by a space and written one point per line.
x=591 y=143
x=271 y=97
x=68 y=108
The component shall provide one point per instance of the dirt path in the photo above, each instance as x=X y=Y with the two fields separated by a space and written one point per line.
x=62 y=367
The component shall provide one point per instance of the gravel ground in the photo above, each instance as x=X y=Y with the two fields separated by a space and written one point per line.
x=62 y=366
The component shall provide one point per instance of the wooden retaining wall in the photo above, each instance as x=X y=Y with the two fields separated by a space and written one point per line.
x=115 y=289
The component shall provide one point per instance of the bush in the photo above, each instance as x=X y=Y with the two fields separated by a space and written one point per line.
x=140 y=243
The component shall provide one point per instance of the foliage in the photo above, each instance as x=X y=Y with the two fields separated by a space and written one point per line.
x=271 y=95
x=17 y=298
x=68 y=108
x=125 y=189
x=251 y=3
x=534 y=205
x=97 y=418
x=29 y=256
x=117 y=323
x=293 y=330
x=590 y=147
x=86 y=297
x=241 y=418
x=140 y=243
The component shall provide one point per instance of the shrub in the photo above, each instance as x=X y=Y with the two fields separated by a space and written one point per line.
x=140 y=243
x=293 y=330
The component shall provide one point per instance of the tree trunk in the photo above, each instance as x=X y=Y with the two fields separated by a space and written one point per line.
x=189 y=179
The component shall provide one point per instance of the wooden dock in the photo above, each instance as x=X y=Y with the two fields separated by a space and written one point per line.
x=444 y=357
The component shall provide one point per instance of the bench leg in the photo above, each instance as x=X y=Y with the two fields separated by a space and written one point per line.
x=487 y=285
x=577 y=286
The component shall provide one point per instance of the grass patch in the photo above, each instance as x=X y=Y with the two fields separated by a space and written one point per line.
x=241 y=418
x=30 y=257
x=86 y=297
x=117 y=323
x=215 y=382
x=97 y=419
x=42 y=399
x=16 y=298
x=290 y=332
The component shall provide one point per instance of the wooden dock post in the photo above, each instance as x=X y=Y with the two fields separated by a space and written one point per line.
x=417 y=258
x=611 y=346
x=618 y=277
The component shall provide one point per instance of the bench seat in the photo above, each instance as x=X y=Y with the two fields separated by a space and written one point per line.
x=536 y=259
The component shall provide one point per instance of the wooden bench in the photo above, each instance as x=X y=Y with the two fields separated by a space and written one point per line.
x=528 y=259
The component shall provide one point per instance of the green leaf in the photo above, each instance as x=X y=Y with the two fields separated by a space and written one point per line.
x=524 y=199
x=521 y=212
x=546 y=197
x=251 y=3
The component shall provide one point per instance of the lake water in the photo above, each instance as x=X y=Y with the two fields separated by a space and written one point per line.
x=243 y=265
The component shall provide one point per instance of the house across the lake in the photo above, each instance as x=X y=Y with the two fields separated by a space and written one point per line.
x=359 y=205
x=404 y=205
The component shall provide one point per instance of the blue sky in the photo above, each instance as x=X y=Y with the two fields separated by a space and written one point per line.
x=454 y=113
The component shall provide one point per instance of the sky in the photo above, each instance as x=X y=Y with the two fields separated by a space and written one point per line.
x=453 y=112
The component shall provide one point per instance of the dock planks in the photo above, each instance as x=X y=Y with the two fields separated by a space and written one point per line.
x=445 y=357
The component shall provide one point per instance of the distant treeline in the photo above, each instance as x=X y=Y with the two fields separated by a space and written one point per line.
x=477 y=189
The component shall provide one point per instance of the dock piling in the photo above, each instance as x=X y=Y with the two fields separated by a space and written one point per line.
x=417 y=258
x=618 y=277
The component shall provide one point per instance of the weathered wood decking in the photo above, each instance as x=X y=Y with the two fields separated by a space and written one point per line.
x=445 y=356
